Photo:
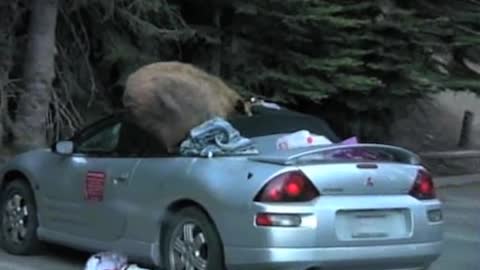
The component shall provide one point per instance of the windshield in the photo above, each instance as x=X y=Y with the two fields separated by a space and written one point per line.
x=266 y=122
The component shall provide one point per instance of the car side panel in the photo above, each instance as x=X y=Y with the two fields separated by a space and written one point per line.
x=226 y=187
x=44 y=172
x=35 y=165
x=102 y=219
x=222 y=186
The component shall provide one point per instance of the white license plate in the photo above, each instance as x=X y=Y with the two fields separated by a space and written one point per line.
x=352 y=225
x=370 y=225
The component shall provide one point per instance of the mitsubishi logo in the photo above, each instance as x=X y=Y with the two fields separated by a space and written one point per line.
x=369 y=182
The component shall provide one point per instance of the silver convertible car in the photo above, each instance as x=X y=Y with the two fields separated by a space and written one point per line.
x=337 y=206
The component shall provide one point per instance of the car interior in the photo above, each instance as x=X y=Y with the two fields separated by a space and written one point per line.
x=117 y=136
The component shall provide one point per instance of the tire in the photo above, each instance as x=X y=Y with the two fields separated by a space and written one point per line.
x=204 y=247
x=18 y=219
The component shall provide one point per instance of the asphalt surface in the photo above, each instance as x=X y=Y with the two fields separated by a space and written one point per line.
x=461 y=250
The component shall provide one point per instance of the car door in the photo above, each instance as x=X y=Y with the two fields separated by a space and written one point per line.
x=86 y=199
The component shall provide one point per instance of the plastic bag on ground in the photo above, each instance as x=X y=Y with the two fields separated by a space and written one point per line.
x=110 y=261
x=302 y=138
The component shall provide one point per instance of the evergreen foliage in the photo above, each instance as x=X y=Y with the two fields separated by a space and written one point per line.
x=353 y=61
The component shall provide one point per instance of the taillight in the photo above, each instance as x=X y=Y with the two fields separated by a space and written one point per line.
x=423 y=188
x=291 y=186
x=277 y=220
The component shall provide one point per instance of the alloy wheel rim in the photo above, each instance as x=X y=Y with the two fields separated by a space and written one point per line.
x=188 y=248
x=15 y=219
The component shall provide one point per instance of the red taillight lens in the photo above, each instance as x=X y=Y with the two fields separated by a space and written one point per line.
x=291 y=186
x=277 y=220
x=263 y=220
x=423 y=188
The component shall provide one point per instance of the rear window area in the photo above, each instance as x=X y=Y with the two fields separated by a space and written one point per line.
x=270 y=121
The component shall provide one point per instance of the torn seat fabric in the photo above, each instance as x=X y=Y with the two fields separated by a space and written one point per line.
x=216 y=137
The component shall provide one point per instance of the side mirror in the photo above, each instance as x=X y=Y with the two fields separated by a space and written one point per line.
x=64 y=147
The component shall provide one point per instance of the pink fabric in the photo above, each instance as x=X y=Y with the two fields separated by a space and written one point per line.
x=352 y=140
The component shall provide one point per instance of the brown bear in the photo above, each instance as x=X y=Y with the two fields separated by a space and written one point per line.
x=168 y=99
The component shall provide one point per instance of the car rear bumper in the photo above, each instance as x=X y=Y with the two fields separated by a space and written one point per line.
x=406 y=256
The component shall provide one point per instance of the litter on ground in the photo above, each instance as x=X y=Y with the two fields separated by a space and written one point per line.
x=110 y=261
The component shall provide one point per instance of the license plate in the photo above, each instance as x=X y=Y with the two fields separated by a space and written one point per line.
x=383 y=224
x=369 y=225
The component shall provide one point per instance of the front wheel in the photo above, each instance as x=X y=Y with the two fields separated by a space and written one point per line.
x=18 y=219
x=192 y=243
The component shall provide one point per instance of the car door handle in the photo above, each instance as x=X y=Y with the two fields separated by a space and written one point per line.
x=121 y=178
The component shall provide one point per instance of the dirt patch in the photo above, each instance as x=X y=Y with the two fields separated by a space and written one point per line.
x=433 y=126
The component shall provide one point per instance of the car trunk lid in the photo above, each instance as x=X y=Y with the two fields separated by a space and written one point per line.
x=362 y=169
x=338 y=153
x=354 y=179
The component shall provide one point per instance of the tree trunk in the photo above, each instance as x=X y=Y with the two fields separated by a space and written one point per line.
x=39 y=72
x=7 y=23
x=216 y=63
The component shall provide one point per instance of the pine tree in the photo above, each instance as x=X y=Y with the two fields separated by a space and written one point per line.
x=358 y=61
x=353 y=62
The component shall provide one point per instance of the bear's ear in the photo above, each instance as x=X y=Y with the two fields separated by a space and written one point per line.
x=243 y=107
x=240 y=106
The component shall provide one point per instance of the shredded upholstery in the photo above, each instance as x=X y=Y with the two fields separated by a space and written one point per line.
x=216 y=137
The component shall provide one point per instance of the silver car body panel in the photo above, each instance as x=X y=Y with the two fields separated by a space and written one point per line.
x=139 y=192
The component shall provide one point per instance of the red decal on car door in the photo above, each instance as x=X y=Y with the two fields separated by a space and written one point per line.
x=94 y=186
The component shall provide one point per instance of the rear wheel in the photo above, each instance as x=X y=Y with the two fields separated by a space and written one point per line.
x=18 y=219
x=192 y=243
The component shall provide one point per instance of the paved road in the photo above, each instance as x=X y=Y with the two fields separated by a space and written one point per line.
x=461 y=251
x=462 y=229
